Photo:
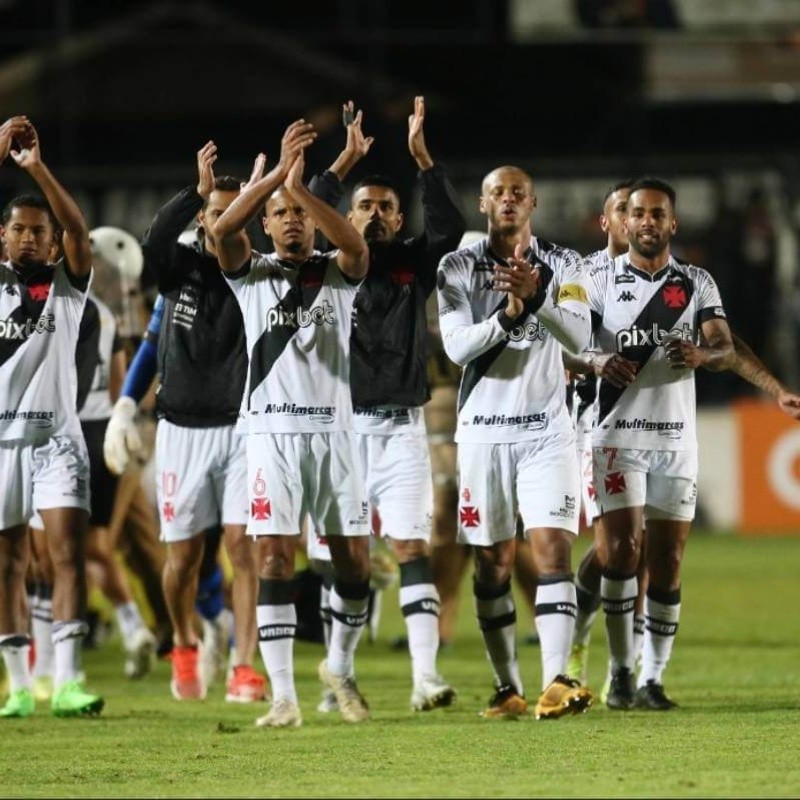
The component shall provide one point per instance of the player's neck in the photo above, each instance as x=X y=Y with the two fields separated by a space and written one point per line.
x=646 y=264
x=615 y=250
x=503 y=244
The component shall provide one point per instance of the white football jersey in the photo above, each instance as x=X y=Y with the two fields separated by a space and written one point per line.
x=98 y=404
x=513 y=385
x=635 y=313
x=39 y=323
x=297 y=322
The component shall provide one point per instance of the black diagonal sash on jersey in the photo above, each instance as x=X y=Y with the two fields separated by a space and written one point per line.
x=658 y=312
x=479 y=366
x=272 y=343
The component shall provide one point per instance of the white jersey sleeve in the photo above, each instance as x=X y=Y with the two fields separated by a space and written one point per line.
x=565 y=310
x=463 y=337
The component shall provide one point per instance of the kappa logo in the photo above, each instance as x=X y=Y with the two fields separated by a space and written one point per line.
x=9 y=289
x=487 y=285
x=278 y=317
x=626 y=297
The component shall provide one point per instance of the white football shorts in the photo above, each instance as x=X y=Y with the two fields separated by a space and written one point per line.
x=663 y=482
x=538 y=478
x=41 y=476
x=290 y=475
x=397 y=478
x=201 y=476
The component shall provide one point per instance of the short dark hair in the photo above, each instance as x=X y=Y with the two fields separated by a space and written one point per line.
x=378 y=180
x=29 y=201
x=647 y=182
x=225 y=183
x=626 y=184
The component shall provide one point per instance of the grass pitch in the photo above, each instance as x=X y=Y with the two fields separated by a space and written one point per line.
x=735 y=672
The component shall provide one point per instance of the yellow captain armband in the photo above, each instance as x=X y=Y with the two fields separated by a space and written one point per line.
x=572 y=291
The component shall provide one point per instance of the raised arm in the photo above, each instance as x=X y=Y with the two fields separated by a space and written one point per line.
x=356 y=145
x=233 y=249
x=443 y=220
x=353 y=257
x=77 y=249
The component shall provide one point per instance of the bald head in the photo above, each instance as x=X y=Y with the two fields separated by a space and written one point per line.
x=507 y=199
x=287 y=223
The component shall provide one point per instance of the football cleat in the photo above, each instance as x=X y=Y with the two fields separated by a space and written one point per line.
x=187 y=681
x=620 y=690
x=651 y=696
x=20 y=703
x=563 y=696
x=578 y=663
x=507 y=703
x=352 y=705
x=139 y=655
x=328 y=702
x=70 y=700
x=246 y=686
x=432 y=692
x=42 y=688
x=283 y=714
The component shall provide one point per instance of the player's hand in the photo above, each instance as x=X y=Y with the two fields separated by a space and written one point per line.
x=614 y=368
x=29 y=155
x=299 y=135
x=357 y=145
x=416 y=135
x=514 y=306
x=789 y=403
x=9 y=131
x=257 y=173
x=206 y=156
x=683 y=354
x=294 y=180
x=122 y=438
x=518 y=278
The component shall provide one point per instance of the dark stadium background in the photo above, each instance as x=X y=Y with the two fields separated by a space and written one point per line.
x=123 y=94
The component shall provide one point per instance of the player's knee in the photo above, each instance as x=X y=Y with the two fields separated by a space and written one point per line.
x=409 y=550
x=623 y=553
x=276 y=566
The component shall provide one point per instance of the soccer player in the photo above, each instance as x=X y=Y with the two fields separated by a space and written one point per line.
x=746 y=364
x=506 y=306
x=43 y=461
x=645 y=447
x=301 y=456
x=389 y=383
x=101 y=368
x=201 y=467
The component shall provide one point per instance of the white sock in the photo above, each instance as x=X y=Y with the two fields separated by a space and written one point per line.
x=16 y=650
x=420 y=606
x=497 y=619
x=276 y=629
x=325 y=613
x=42 y=630
x=556 y=608
x=618 y=599
x=67 y=639
x=662 y=612
x=638 y=636
x=129 y=620
x=349 y=618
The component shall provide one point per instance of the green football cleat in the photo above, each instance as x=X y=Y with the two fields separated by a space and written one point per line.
x=19 y=704
x=70 y=700
x=578 y=663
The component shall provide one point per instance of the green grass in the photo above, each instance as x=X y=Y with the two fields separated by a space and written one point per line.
x=735 y=672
